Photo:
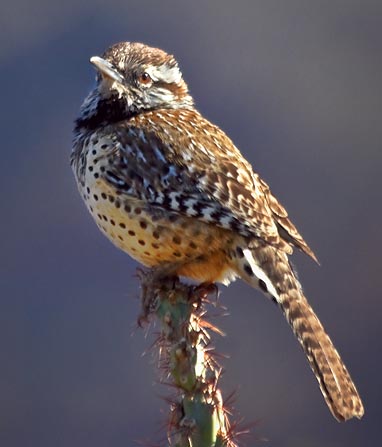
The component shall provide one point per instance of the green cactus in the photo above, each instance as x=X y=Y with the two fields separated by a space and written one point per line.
x=197 y=417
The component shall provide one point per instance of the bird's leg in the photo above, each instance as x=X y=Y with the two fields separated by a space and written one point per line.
x=206 y=288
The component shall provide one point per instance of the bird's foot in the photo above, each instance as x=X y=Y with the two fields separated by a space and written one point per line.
x=205 y=289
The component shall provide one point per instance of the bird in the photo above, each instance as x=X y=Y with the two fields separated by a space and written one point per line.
x=172 y=190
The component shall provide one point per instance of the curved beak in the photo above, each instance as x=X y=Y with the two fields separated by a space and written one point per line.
x=106 y=69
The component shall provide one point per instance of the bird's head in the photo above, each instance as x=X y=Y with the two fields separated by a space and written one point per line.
x=133 y=78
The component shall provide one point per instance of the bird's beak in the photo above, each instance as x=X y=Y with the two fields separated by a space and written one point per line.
x=106 y=69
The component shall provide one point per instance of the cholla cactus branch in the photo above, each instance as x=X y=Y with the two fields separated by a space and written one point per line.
x=197 y=416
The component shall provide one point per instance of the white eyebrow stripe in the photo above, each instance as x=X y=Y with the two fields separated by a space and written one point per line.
x=165 y=73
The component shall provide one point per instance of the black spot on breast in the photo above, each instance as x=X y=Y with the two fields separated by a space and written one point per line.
x=177 y=240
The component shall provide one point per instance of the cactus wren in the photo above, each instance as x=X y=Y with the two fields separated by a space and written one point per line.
x=171 y=189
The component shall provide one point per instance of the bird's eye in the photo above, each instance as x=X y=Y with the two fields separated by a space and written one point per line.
x=144 y=78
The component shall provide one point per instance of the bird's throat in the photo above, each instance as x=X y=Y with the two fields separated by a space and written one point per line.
x=107 y=111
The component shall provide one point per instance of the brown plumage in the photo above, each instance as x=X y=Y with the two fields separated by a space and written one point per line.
x=172 y=190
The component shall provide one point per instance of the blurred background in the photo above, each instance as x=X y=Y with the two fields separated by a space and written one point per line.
x=297 y=86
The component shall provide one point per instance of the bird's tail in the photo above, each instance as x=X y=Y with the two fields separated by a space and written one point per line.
x=267 y=268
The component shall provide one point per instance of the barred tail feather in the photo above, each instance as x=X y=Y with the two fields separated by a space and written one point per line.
x=265 y=267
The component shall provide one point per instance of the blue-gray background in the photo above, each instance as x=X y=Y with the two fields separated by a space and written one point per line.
x=297 y=85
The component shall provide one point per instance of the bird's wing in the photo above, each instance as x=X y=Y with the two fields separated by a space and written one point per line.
x=200 y=174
